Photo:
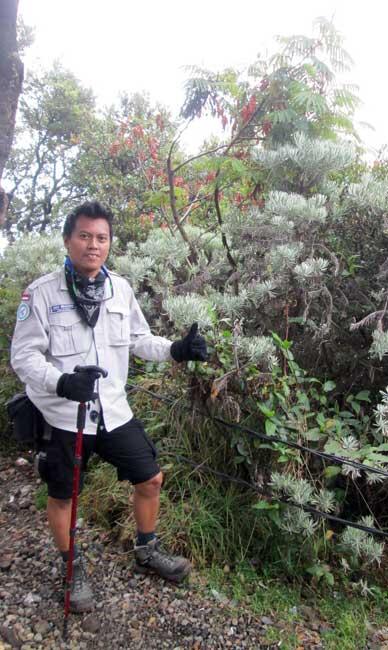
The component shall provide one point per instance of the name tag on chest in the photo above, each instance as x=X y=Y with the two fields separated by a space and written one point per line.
x=57 y=309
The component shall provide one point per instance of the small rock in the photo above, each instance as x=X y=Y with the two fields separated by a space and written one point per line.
x=221 y=598
x=308 y=612
x=91 y=624
x=6 y=561
x=266 y=620
x=21 y=462
x=42 y=627
x=31 y=599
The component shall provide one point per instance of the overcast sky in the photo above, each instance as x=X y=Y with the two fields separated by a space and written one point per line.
x=135 y=46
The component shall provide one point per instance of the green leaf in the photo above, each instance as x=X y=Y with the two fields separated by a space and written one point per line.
x=321 y=419
x=313 y=434
x=356 y=407
x=329 y=578
x=270 y=427
x=332 y=470
x=264 y=505
x=242 y=450
x=277 y=339
x=328 y=386
x=266 y=411
x=303 y=400
x=379 y=458
x=363 y=396
x=157 y=425
x=237 y=166
x=239 y=460
x=332 y=447
x=265 y=445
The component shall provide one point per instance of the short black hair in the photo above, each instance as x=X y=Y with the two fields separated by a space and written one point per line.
x=90 y=209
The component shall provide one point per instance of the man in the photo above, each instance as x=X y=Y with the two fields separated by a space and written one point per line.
x=87 y=315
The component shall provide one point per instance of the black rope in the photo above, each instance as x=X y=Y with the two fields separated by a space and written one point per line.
x=263 y=436
x=289 y=502
x=319 y=513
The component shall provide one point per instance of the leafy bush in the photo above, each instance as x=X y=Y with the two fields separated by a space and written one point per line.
x=21 y=263
x=212 y=519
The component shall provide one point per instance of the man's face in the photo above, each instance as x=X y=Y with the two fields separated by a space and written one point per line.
x=88 y=245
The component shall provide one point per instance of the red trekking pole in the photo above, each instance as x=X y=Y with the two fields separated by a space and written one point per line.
x=81 y=417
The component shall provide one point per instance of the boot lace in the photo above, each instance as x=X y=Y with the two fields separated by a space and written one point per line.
x=79 y=574
x=163 y=556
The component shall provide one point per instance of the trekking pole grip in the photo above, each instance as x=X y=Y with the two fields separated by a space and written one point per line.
x=101 y=371
x=81 y=413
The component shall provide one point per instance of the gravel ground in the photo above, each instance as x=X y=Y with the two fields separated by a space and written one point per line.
x=132 y=611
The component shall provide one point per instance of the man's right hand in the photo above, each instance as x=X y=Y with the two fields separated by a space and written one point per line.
x=78 y=386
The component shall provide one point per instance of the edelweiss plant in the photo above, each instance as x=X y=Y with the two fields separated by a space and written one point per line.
x=31 y=256
x=381 y=415
x=184 y=310
x=361 y=545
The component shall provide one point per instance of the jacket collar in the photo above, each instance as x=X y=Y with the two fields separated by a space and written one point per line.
x=62 y=280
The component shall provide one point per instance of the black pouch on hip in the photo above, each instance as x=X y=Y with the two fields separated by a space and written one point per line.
x=27 y=420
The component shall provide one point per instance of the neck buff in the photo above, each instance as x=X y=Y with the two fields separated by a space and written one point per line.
x=87 y=293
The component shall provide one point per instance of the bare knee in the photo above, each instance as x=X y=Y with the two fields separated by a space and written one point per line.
x=58 y=504
x=150 y=488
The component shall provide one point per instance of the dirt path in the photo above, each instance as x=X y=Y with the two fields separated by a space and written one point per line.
x=131 y=611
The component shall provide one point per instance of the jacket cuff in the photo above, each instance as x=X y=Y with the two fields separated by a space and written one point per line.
x=52 y=378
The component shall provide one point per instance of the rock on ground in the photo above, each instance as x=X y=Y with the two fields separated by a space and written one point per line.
x=132 y=611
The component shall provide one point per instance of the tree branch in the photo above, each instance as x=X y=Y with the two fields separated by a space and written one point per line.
x=175 y=215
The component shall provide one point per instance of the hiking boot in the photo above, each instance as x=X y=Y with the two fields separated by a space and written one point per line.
x=151 y=558
x=81 y=595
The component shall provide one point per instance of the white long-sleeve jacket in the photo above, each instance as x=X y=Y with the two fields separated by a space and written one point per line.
x=50 y=338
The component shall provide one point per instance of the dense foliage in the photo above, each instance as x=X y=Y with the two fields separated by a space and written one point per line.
x=274 y=240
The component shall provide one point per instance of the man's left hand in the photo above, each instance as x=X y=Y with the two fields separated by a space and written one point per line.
x=191 y=348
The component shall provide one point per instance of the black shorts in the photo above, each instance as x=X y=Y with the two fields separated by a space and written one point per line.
x=127 y=448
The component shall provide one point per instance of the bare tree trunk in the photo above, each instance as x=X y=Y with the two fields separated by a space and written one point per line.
x=11 y=77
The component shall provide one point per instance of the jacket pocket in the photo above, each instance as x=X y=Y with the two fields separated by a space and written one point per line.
x=118 y=330
x=67 y=338
x=49 y=466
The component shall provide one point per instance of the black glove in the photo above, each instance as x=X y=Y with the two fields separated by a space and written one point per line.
x=78 y=386
x=191 y=348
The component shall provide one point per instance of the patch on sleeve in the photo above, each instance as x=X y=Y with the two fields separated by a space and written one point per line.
x=26 y=296
x=23 y=311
